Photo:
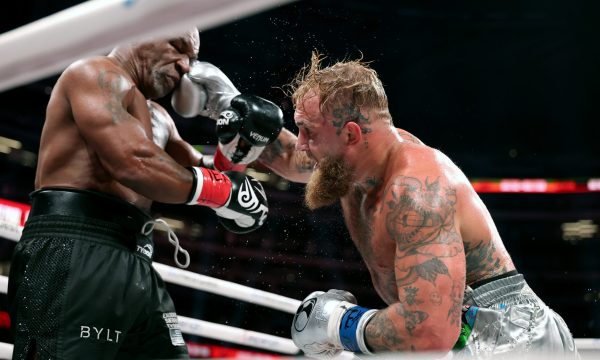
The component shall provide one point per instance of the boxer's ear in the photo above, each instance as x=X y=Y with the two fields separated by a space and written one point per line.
x=352 y=133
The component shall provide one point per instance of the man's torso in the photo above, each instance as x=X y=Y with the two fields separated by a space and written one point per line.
x=377 y=227
x=67 y=160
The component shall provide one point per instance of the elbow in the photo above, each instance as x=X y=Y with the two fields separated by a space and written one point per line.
x=126 y=175
x=125 y=170
x=438 y=338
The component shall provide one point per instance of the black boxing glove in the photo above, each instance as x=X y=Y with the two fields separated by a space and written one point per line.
x=250 y=124
x=247 y=208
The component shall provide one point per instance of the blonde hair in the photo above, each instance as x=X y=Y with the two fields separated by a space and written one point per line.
x=345 y=82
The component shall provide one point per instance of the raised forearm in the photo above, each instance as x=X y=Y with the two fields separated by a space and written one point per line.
x=282 y=157
x=184 y=154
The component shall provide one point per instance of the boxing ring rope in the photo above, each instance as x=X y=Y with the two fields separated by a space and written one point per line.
x=224 y=288
x=95 y=26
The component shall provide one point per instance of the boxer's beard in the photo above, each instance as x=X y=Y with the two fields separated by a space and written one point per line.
x=161 y=87
x=329 y=182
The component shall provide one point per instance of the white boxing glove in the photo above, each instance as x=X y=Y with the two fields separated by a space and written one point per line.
x=205 y=90
x=327 y=323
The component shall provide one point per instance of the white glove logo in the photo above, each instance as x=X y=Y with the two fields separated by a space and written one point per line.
x=303 y=314
x=225 y=117
x=248 y=200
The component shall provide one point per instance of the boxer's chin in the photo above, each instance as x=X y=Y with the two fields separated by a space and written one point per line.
x=329 y=182
x=161 y=85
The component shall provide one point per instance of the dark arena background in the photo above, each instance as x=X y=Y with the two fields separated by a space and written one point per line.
x=509 y=90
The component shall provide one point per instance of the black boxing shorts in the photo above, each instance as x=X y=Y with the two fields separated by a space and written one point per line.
x=82 y=285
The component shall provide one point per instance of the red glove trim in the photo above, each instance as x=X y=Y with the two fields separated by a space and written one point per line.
x=212 y=188
x=221 y=162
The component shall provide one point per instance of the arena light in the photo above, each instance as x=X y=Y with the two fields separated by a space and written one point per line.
x=593 y=184
x=13 y=212
x=580 y=230
x=10 y=143
x=535 y=186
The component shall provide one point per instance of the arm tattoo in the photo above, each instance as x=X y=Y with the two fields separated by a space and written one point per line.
x=482 y=260
x=456 y=298
x=279 y=150
x=383 y=334
x=112 y=82
x=372 y=183
x=410 y=293
x=421 y=216
x=411 y=318
x=273 y=151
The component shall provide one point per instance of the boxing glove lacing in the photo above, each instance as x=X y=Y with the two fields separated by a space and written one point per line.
x=146 y=230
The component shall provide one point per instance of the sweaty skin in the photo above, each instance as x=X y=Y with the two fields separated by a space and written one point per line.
x=421 y=229
x=103 y=133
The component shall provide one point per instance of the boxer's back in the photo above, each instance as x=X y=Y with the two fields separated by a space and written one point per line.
x=485 y=253
x=65 y=157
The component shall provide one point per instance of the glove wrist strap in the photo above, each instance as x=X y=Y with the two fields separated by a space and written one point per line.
x=210 y=188
x=352 y=328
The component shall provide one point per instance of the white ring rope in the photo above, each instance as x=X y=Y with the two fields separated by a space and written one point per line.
x=45 y=47
x=226 y=288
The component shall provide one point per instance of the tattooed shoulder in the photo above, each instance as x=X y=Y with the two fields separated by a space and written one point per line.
x=117 y=87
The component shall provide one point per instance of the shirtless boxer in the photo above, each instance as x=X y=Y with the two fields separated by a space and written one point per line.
x=81 y=282
x=430 y=244
x=422 y=230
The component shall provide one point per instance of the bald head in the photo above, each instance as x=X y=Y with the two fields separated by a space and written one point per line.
x=194 y=35
x=157 y=65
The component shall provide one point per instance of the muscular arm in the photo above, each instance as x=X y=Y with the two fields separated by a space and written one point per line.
x=102 y=103
x=429 y=267
x=282 y=157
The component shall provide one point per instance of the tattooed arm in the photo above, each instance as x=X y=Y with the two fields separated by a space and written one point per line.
x=282 y=157
x=429 y=268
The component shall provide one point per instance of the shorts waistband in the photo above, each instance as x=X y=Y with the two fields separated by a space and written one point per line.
x=505 y=290
x=479 y=283
x=88 y=204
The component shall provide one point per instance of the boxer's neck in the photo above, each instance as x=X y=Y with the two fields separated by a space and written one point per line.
x=370 y=159
x=124 y=58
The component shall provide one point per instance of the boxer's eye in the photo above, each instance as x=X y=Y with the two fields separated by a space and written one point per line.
x=175 y=44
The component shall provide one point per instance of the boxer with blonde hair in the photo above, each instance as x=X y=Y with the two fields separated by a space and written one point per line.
x=431 y=246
